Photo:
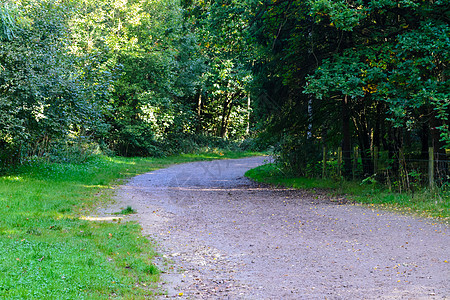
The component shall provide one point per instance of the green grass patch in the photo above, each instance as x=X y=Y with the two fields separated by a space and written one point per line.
x=49 y=252
x=426 y=203
x=126 y=211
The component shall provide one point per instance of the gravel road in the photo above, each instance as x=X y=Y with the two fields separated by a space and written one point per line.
x=226 y=237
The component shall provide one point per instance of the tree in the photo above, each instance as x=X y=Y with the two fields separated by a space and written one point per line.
x=223 y=92
x=40 y=85
x=379 y=67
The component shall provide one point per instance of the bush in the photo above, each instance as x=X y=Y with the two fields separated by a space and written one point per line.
x=298 y=155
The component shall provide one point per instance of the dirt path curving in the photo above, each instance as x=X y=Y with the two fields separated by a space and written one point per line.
x=230 y=238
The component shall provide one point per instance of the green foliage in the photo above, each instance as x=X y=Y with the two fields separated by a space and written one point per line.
x=343 y=75
x=43 y=95
x=153 y=78
x=138 y=43
x=135 y=77
x=126 y=211
x=297 y=155
x=344 y=15
x=354 y=73
x=8 y=20
x=223 y=88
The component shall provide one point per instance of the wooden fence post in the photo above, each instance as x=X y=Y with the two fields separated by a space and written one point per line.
x=339 y=161
x=324 y=162
x=431 y=167
x=355 y=162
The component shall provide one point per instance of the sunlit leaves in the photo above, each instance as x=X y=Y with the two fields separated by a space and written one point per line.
x=226 y=54
x=8 y=20
x=344 y=15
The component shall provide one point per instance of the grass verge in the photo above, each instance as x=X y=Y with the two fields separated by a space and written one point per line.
x=49 y=252
x=426 y=203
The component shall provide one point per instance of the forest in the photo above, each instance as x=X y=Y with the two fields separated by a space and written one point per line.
x=360 y=83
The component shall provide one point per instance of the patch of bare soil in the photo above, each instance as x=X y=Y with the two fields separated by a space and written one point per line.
x=226 y=237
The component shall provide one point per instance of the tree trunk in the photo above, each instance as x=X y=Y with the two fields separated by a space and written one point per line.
x=440 y=155
x=394 y=144
x=247 y=130
x=363 y=133
x=199 y=112
x=379 y=119
x=424 y=140
x=346 y=139
x=227 y=120
x=224 y=123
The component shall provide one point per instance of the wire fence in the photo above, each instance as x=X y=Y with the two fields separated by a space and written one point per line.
x=400 y=169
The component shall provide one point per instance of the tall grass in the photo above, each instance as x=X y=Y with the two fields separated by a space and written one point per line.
x=49 y=252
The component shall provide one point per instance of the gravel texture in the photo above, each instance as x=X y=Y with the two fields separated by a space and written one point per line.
x=222 y=236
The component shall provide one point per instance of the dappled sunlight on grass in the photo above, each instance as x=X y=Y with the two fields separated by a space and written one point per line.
x=12 y=178
x=44 y=233
x=98 y=186
x=120 y=160
x=100 y=219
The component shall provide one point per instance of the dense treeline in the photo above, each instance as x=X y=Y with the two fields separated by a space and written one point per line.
x=356 y=73
x=328 y=74
x=365 y=74
x=155 y=77
x=132 y=77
